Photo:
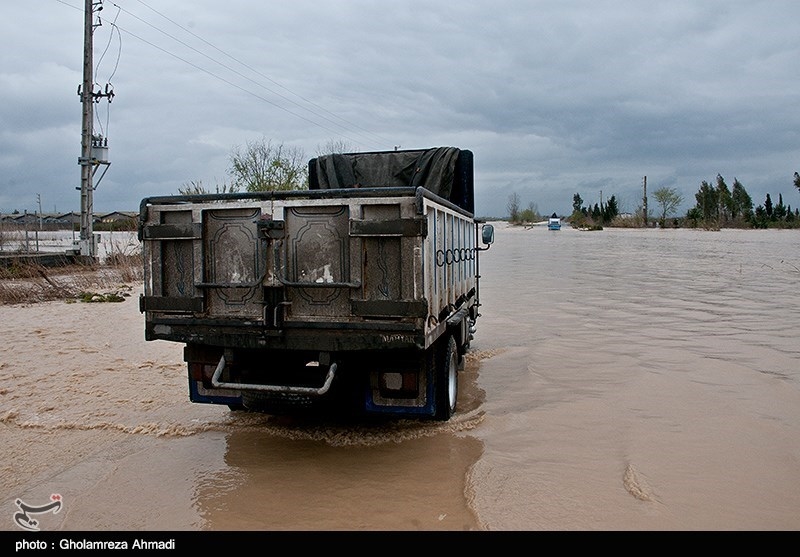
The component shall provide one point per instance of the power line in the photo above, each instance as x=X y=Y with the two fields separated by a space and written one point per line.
x=108 y=45
x=224 y=80
x=257 y=72
x=105 y=130
x=216 y=76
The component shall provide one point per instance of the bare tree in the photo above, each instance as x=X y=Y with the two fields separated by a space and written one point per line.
x=335 y=146
x=513 y=207
x=262 y=166
x=194 y=187
x=668 y=199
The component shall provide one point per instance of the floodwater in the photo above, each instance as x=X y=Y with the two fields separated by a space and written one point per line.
x=618 y=380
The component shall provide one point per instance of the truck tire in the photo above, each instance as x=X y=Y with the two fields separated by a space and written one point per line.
x=446 y=385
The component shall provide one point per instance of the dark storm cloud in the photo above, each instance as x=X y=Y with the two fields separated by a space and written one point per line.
x=554 y=98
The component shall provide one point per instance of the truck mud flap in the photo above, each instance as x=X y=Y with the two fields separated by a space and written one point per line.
x=286 y=389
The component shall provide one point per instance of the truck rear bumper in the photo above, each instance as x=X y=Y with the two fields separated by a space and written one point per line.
x=382 y=382
x=324 y=337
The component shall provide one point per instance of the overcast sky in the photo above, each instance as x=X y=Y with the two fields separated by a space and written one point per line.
x=554 y=97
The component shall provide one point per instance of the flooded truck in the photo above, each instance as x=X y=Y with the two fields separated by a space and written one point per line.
x=359 y=294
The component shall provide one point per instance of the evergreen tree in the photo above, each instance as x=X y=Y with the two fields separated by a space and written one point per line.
x=611 y=209
x=724 y=199
x=577 y=203
x=779 y=211
x=760 y=218
x=708 y=204
x=578 y=217
x=694 y=216
x=742 y=205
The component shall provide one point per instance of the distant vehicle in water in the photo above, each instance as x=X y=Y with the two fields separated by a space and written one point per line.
x=554 y=223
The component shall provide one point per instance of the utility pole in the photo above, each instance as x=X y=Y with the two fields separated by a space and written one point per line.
x=87 y=242
x=644 y=203
x=91 y=146
x=602 y=213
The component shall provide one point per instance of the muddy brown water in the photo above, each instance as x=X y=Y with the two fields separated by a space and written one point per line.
x=618 y=380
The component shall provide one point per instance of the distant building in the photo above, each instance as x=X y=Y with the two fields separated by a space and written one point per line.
x=68 y=218
x=118 y=216
x=49 y=221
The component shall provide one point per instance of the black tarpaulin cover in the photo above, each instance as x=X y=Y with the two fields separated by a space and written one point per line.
x=446 y=171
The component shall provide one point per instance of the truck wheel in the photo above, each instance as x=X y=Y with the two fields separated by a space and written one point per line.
x=446 y=380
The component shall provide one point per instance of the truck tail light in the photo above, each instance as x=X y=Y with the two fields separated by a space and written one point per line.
x=399 y=384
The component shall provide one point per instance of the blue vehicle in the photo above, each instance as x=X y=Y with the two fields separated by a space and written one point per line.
x=554 y=223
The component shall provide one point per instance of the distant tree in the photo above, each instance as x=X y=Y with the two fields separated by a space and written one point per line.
x=262 y=166
x=333 y=146
x=531 y=214
x=708 y=204
x=194 y=187
x=742 y=205
x=779 y=210
x=694 y=216
x=724 y=200
x=668 y=199
x=611 y=210
x=797 y=180
x=760 y=217
x=513 y=207
x=577 y=203
x=768 y=206
x=579 y=213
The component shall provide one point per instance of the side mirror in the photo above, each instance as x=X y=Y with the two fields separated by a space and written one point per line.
x=487 y=234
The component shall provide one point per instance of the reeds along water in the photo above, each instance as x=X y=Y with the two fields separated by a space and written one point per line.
x=28 y=280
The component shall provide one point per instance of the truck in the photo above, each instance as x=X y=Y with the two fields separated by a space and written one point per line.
x=359 y=294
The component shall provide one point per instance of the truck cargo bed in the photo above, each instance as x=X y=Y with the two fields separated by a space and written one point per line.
x=282 y=293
